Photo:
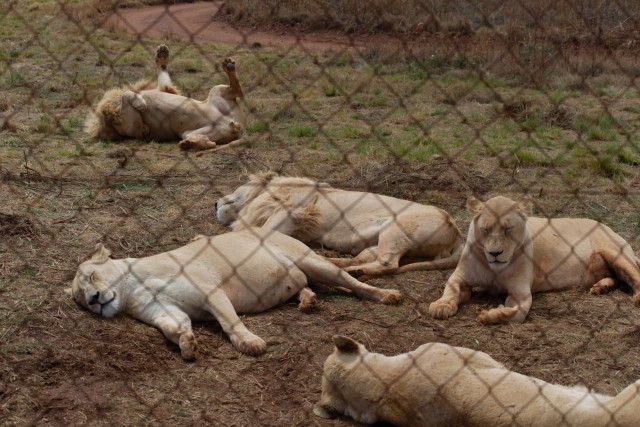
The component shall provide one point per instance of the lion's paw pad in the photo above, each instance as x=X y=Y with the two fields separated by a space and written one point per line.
x=229 y=64
x=162 y=51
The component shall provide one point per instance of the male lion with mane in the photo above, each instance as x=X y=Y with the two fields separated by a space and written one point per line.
x=379 y=230
x=509 y=252
x=442 y=385
x=147 y=110
x=212 y=278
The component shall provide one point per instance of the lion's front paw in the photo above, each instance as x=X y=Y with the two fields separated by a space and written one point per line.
x=443 y=309
x=391 y=296
x=308 y=304
x=228 y=64
x=249 y=344
x=139 y=104
x=188 y=347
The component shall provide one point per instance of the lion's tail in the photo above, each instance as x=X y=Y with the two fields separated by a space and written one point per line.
x=436 y=264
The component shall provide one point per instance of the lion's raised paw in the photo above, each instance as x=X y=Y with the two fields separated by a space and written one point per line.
x=228 y=64
x=162 y=56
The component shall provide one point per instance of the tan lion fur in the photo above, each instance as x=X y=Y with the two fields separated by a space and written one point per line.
x=441 y=385
x=147 y=110
x=106 y=113
x=508 y=252
x=260 y=269
x=378 y=230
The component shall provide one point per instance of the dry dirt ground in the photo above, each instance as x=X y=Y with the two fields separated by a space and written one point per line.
x=61 y=193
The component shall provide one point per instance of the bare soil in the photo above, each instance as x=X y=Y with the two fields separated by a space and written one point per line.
x=198 y=21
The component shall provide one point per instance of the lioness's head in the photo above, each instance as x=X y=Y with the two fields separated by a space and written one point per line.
x=499 y=227
x=98 y=284
x=227 y=207
x=340 y=392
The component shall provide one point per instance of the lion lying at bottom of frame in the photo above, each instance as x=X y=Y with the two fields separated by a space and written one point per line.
x=441 y=385
x=212 y=278
x=509 y=252
x=379 y=230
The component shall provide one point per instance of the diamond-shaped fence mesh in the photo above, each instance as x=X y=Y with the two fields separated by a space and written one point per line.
x=393 y=187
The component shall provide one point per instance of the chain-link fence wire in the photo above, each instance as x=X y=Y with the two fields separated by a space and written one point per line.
x=425 y=102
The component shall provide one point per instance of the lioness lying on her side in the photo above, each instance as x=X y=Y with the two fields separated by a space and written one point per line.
x=441 y=385
x=157 y=111
x=507 y=252
x=379 y=230
x=212 y=278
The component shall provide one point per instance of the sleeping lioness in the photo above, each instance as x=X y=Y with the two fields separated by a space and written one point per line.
x=442 y=385
x=211 y=278
x=507 y=252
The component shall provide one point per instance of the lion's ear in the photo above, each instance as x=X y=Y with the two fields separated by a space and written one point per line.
x=68 y=291
x=100 y=254
x=525 y=205
x=345 y=344
x=474 y=205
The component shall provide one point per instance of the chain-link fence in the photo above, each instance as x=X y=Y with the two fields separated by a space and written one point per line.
x=381 y=136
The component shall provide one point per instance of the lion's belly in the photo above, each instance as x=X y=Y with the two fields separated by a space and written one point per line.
x=168 y=115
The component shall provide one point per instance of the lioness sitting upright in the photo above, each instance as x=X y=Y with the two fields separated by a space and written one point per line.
x=146 y=110
x=507 y=252
x=379 y=230
x=442 y=385
x=211 y=278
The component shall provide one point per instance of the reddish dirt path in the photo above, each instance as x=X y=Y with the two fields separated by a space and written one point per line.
x=197 y=21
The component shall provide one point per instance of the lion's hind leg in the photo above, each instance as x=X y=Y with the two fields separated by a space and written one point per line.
x=164 y=80
x=605 y=262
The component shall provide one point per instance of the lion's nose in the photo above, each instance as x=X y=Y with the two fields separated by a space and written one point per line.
x=94 y=298
x=495 y=253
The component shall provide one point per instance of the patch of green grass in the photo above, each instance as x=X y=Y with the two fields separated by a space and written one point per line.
x=300 y=131
x=45 y=125
x=72 y=123
x=354 y=133
x=14 y=78
x=533 y=158
x=257 y=126
x=609 y=167
x=597 y=129
x=627 y=157
x=330 y=91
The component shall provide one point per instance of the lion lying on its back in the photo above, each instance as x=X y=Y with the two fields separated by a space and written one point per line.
x=379 y=230
x=511 y=253
x=441 y=385
x=157 y=111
